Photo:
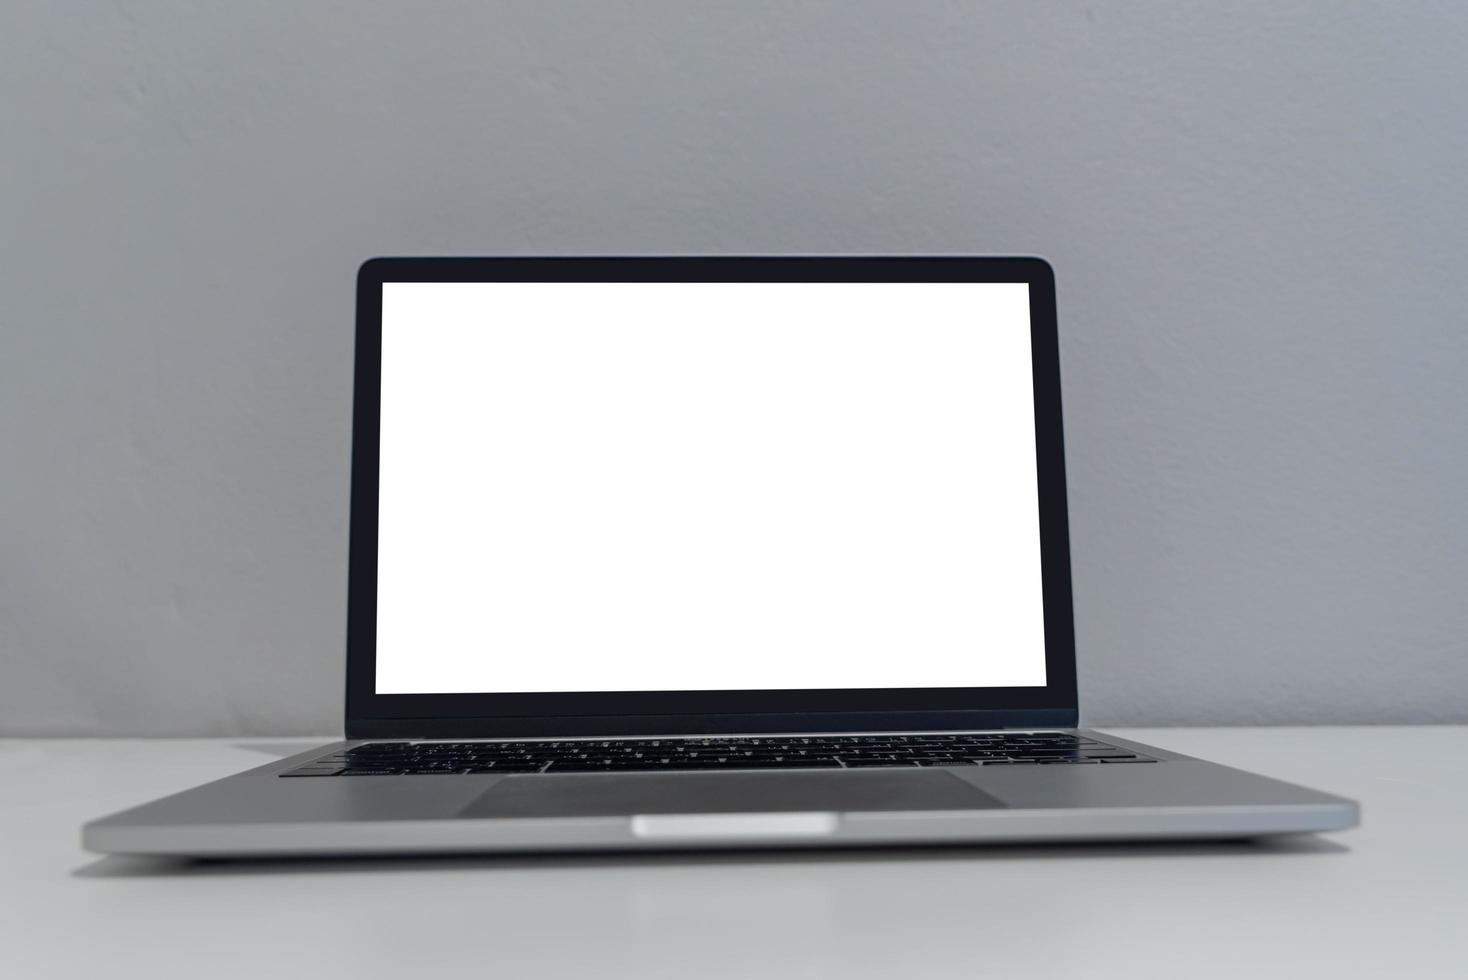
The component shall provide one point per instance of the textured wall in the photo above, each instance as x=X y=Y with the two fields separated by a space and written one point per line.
x=1256 y=211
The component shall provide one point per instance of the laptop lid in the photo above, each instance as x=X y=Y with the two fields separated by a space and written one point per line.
x=659 y=495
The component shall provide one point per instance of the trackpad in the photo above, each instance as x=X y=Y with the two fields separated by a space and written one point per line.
x=607 y=794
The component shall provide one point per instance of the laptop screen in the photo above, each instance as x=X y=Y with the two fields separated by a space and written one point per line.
x=635 y=486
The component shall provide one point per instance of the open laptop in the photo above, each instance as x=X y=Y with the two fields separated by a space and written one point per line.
x=709 y=552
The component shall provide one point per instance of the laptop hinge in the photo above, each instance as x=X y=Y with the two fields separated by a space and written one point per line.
x=625 y=726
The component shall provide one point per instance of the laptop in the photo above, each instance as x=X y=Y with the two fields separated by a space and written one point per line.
x=709 y=552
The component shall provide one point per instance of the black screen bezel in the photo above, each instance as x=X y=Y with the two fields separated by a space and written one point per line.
x=373 y=715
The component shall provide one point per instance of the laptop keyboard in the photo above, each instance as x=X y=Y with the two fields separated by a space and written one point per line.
x=763 y=752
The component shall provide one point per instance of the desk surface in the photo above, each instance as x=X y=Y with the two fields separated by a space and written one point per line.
x=1388 y=899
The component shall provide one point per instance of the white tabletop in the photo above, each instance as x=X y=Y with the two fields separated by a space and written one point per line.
x=1387 y=900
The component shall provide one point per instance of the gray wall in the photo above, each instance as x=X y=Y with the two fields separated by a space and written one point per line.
x=1256 y=211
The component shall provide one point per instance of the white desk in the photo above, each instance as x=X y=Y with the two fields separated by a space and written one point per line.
x=1387 y=900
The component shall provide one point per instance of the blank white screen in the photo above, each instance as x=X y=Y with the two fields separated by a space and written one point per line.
x=707 y=486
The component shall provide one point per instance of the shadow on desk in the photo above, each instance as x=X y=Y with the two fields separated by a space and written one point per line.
x=138 y=867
